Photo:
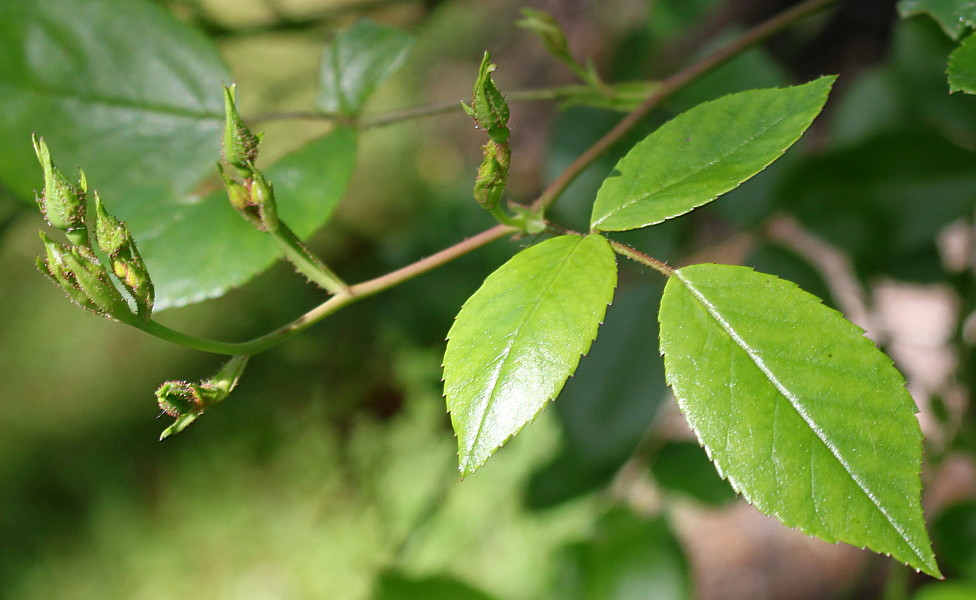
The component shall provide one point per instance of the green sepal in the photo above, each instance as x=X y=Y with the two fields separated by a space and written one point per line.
x=488 y=107
x=492 y=174
x=240 y=198
x=115 y=240
x=187 y=401
x=262 y=197
x=77 y=270
x=61 y=202
x=240 y=145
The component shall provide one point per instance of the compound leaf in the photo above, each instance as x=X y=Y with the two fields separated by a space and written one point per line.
x=962 y=67
x=803 y=415
x=703 y=153
x=520 y=336
x=954 y=16
x=357 y=62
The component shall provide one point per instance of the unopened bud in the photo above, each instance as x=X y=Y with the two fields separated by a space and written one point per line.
x=262 y=196
x=488 y=107
x=492 y=175
x=187 y=401
x=61 y=203
x=240 y=146
x=115 y=240
x=77 y=270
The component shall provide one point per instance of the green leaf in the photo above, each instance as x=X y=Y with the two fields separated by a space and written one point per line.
x=962 y=67
x=398 y=586
x=954 y=16
x=703 y=153
x=683 y=467
x=802 y=414
x=133 y=96
x=201 y=248
x=357 y=62
x=629 y=557
x=520 y=336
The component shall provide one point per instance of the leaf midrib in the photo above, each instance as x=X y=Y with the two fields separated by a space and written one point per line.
x=794 y=403
x=115 y=102
x=694 y=173
x=508 y=349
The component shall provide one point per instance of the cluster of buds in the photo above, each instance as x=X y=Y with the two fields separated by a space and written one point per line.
x=187 y=401
x=77 y=268
x=491 y=113
x=254 y=197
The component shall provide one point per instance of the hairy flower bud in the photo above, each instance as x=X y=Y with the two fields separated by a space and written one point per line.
x=240 y=146
x=492 y=175
x=77 y=270
x=61 y=202
x=115 y=240
x=187 y=401
x=488 y=107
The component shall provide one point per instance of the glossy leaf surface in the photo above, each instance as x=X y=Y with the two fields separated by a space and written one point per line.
x=803 y=415
x=520 y=336
x=357 y=62
x=201 y=247
x=703 y=153
x=954 y=16
x=138 y=112
x=962 y=67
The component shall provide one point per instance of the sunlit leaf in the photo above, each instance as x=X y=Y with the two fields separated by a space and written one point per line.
x=703 y=153
x=357 y=62
x=803 y=415
x=520 y=336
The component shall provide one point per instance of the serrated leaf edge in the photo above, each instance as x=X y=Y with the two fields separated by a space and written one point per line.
x=595 y=225
x=466 y=467
x=794 y=402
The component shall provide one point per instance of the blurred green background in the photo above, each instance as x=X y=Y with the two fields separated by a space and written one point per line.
x=331 y=471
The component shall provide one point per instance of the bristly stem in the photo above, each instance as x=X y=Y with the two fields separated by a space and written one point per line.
x=307 y=263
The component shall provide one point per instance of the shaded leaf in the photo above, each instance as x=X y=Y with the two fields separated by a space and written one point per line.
x=799 y=411
x=683 y=467
x=703 y=153
x=962 y=67
x=201 y=248
x=397 y=586
x=628 y=557
x=954 y=16
x=136 y=110
x=357 y=62
x=520 y=336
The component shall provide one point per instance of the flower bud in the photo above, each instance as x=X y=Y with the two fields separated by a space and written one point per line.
x=488 y=107
x=492 y=175
x=240 y=146
x=61 y=203
x=115 y=240
x=187 y=401
x=77 y=270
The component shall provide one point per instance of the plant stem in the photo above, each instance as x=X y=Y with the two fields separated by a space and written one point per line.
x=307 y=263
x=669 y=86
x=348 y=296
x=644 y=259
